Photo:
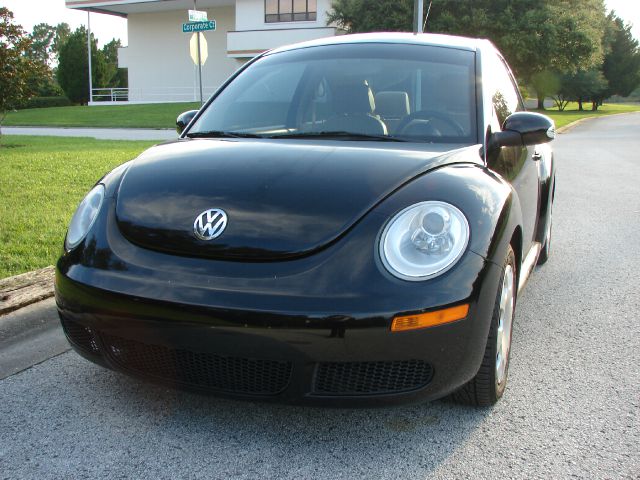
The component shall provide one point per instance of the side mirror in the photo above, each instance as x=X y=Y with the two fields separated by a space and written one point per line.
x=184 y=119
x=524 y=128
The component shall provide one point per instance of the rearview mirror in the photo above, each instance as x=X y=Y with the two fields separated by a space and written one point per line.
x=523 y=129
x=184 y=119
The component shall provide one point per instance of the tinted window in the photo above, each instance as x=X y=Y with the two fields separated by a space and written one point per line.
x=503 y=91
x=416 y=93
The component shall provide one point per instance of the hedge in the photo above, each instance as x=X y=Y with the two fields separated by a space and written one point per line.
x=45 y=102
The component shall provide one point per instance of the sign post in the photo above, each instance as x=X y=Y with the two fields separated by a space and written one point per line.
x=418 y=10
x=197 y=23
x=199 y=68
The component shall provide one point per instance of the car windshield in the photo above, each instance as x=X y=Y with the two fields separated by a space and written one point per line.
x=371 y=91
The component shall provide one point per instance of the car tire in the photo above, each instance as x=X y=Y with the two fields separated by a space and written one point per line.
x=489 y=384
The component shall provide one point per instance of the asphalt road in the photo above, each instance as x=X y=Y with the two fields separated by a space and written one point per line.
x=571 y=408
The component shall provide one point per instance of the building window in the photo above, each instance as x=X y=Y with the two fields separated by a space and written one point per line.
x=290 y=10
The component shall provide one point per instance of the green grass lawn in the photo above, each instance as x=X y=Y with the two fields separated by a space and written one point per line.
x=42 y=180
x=571 y=113
x=157 y=115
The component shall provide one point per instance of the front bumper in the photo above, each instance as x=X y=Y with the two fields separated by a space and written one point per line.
x=341 y=360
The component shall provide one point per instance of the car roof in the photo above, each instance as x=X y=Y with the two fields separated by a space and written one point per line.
x=439 y=40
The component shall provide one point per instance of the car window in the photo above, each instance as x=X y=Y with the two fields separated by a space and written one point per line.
x=275 y=86
x=504 y=94
x=413 y=92
x=262 y=102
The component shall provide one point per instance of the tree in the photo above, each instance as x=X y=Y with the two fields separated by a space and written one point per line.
x=41 y=42
x=46 y=41
x=539 y=40
x=42 y=50
x=115 y=77
x=621 y=65
x=358 y=16
x=535 y=37
x=582 y=86
x=15 y=66
x=73 y=68
x=545 y=84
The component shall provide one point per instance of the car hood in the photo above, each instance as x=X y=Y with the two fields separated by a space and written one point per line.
x=283 y=198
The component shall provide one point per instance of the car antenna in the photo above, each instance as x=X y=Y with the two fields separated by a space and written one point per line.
x=426 y=17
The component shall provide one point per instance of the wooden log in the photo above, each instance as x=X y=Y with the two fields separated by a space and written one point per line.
x=22 y=290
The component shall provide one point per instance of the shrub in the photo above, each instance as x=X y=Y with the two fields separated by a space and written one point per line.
x=46 y=102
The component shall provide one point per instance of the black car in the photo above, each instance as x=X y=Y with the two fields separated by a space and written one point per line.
x=346 y=221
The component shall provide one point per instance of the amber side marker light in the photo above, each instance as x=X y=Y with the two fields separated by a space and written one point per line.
x=429 y=319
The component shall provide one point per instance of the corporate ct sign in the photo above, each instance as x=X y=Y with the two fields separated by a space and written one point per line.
x=198 y=26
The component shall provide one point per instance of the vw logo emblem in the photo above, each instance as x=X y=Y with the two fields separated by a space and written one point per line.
x=210 y=224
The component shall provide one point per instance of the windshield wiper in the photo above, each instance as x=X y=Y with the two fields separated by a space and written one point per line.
x=339 y=134
x=222 y=134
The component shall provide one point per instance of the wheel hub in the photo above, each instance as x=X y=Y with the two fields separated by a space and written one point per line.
x=505 y=322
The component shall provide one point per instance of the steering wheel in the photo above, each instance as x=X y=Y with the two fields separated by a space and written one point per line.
x=428 y=115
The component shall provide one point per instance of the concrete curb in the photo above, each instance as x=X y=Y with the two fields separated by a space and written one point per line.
x=29 y=336
x=22 y=290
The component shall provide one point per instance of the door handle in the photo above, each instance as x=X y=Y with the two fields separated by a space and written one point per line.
x=536 y=156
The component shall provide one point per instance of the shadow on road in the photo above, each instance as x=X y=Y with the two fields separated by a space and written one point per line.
x=120 y=414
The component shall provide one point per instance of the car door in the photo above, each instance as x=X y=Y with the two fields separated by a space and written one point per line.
x=518 y=165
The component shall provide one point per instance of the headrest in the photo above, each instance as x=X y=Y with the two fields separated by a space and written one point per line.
x=353 y=98
x=392 y=104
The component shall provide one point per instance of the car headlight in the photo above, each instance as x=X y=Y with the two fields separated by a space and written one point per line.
x=424 y=240
x=85 y=215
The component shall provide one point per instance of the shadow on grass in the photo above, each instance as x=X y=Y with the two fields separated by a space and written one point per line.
x=11 y=145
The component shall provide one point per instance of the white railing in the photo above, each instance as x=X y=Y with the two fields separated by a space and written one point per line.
x=149 y=95
x=110 y=94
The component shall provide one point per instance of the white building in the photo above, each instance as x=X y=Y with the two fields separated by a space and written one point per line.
x=158 y=54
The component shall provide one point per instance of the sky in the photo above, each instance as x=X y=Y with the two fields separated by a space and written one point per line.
x=31 y=12
x=106 y=27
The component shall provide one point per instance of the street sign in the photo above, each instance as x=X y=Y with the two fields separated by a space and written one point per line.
x=193 y=49
x=198 y=26
x=197 y=16
x=197 y=44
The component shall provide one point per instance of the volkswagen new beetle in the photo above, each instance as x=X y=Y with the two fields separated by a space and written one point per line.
x=346 y=221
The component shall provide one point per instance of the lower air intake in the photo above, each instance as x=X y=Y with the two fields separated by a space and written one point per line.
x=80 y=335
x=369 y=378
x=201 y=370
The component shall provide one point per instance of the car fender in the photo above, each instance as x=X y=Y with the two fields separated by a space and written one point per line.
x=490 y=204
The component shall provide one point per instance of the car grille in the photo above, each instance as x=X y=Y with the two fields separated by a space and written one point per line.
x=368 y=378
x=81 y=336
x=197 y=369
x=185 y=367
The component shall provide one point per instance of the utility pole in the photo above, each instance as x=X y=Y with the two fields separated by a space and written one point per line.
x=89 y=53
x=418 y=10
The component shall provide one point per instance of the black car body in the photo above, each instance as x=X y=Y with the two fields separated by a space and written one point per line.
x=298 y=243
